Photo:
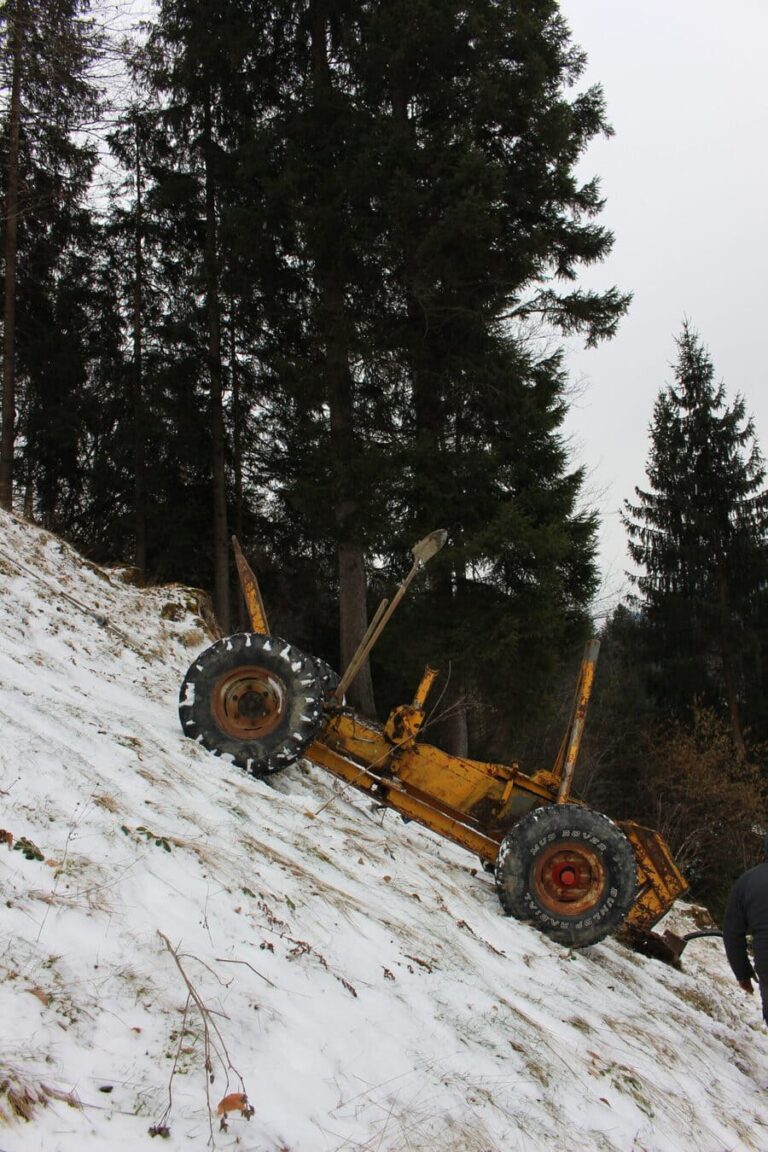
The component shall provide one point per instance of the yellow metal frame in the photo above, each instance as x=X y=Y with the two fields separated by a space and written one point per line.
x=470 y=802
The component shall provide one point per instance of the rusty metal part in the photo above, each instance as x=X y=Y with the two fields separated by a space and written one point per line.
x=425 y=685
x=667 y=947
x=251 y=591
x=248 y=702
x=659 y=880
x=467 y=801
x=569 y=878
x=359 y=754
x=404 y=723
x=677 y=944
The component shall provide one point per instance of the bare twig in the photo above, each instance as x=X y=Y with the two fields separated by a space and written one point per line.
x=214 y=1049
x=221 y=960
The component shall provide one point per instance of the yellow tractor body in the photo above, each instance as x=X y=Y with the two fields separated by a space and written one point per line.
x=570 y=871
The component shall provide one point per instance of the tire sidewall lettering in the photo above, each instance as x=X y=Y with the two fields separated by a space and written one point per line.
x=538 y=831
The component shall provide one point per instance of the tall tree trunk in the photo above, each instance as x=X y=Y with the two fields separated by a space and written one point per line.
x=353 y=614
x=139 y=421
x=729 y=670
x=218 y=463
x=424 y=352
x=334 y=322
x=237 y=452
x=237 y=425
x=11 y=231
x=428 y=415
x=457 y=735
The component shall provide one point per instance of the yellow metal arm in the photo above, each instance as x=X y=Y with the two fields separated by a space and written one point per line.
x=251 y=591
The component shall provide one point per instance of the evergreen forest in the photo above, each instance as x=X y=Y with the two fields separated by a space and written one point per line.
x=300 y=271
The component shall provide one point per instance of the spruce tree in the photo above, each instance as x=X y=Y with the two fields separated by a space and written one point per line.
x=485 y=224
x=48 y=51
x=195 y=61
x=396 y=209
x=699 y=533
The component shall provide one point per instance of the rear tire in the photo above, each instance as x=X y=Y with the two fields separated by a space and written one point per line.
x=569 y=871
x=252 y=697
x=328 y=677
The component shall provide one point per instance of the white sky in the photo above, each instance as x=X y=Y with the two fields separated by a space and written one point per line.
x=686 y=183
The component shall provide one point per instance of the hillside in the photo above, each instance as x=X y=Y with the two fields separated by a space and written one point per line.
x=352 y=974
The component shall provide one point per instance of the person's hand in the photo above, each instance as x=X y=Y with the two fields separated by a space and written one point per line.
x=746 y=985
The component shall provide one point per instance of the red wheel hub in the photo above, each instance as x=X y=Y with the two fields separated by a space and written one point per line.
x=569 y=878
x=565 y=875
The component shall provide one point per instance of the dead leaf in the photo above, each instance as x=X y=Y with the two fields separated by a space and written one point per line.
x=235 y=1102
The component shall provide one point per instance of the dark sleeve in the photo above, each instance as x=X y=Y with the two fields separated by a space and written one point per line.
x=735 y=930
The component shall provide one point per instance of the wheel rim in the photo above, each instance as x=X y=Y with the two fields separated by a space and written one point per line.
x=249 y=702
x=569 y=878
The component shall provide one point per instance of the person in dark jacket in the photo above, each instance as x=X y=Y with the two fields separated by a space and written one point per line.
x=746 y=913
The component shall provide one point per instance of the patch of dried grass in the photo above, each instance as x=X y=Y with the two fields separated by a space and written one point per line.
x=104 y=800
x=21 y=1096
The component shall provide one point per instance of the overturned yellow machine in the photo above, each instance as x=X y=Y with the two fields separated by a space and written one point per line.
x=570 y=871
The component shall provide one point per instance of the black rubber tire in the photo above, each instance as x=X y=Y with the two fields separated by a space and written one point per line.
x=291 y=683
x=327 y=676
x=569 y=871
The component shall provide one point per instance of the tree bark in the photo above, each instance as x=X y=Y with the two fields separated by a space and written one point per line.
x=139 y=421
x=218 y=460
x=334 y=325
x=11 y=233
x=429 y=424
x=237 y=453
x=729 y=670
x=237 y=426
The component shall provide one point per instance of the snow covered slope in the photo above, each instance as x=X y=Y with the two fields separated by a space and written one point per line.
x=352 y=974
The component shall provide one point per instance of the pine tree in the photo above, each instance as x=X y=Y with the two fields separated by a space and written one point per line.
x=14 y=35
x=700 y=532
x=50 y=248
x=485 y=225
x=195 y=61
x=396 y=208
x=307 y=186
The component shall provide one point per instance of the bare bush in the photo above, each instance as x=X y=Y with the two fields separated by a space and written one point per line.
x=708 y=803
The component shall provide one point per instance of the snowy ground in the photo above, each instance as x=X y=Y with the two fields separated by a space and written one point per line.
x=352 y=974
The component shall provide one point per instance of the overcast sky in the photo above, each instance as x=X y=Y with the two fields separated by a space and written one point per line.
x=686 y=183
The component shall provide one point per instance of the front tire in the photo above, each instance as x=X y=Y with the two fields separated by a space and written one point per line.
x=569 y=871
x=255 y=698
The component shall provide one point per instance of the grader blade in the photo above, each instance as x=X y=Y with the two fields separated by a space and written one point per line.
x=660 y=881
